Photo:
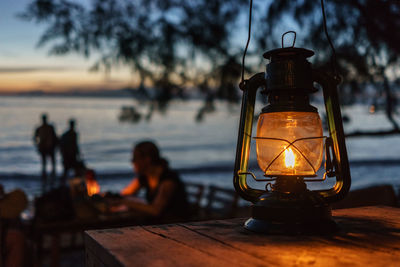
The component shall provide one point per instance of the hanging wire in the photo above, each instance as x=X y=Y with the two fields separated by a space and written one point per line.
x=333 y=58
x=248 y=40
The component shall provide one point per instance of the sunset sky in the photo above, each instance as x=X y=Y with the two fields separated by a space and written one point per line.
x=24 y=67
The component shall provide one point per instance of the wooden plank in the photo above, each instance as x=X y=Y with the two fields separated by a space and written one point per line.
x=207 y=244
x=362 y=240
x=137 y=246
x=385 y=213
x=97 y=254
x=368 y=236
x=91 y=260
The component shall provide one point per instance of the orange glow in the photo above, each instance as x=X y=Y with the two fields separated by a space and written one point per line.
x=289 y=158
x=372 y=109
x=92 y=187
x=289 y=143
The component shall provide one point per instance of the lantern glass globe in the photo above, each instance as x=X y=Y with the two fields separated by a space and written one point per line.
x=289 y=143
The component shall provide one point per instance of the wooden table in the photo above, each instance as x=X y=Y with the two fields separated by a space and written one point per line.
x=369 y=236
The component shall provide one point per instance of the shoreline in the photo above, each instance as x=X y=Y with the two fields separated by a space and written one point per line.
x=196 y=170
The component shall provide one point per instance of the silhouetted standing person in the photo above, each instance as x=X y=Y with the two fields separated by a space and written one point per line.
x=69 y=150
x=45 y=139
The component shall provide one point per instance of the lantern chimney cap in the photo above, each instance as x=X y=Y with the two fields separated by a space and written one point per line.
x=288 y=53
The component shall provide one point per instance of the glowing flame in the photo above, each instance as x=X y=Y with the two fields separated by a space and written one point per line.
x=372 y=109
x=289 y=158
x=92 y=187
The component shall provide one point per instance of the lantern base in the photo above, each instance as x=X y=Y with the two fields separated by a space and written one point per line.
x=289 y=213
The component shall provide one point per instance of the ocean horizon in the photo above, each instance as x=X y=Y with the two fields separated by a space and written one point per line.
x=203 y=152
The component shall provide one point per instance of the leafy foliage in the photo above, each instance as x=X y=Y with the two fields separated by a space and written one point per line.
x=171 y=43
x=176 y=44
x=365 y=35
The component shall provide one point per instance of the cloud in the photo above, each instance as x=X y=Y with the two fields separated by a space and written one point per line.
x=11 y=70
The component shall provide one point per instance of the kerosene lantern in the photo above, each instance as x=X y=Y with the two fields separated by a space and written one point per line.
x=291 y=146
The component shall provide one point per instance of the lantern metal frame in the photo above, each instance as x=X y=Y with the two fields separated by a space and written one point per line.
x=292 y=208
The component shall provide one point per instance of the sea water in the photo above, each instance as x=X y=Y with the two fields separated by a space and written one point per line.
x=203 y=152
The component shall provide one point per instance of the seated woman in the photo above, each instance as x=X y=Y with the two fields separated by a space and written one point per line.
x=165 y=193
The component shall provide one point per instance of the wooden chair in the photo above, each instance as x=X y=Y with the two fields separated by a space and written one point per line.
x=195 y=193
x=371 y=196
x=222 y=203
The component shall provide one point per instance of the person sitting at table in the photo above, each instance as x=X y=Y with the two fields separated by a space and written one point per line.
x=166 y=199
x=12 y=238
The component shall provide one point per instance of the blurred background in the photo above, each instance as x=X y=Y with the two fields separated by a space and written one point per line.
x=169 y=71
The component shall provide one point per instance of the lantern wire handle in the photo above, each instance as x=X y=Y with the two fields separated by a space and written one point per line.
x=248 y=41
x=255 y=178
x=294 y=39
x=316 y=180
x=333 y=58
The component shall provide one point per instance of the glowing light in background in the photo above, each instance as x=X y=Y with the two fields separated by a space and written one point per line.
x=92 y=187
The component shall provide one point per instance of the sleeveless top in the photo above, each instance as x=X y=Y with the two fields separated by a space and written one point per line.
x=177 y=209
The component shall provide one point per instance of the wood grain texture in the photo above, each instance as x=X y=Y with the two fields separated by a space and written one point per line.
x=368 y=236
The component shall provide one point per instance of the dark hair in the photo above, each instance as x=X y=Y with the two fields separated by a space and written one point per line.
x=149 y=149
x=44 y=117
x=71 y=123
